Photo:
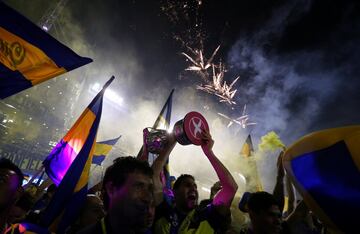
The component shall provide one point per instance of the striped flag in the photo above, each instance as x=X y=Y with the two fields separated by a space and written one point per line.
x=102 y=149
x=253 y=182
x=68 y=166
x=325 y=168
x=163 y=122
x=248 y=149
x=28 y=55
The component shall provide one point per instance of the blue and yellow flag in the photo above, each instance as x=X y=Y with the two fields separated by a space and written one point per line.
x=248 y=149
x=28 y=55
x=102 y=149
x=253 y=182
x=163 y=122
x=325 y=169
x=68 y=166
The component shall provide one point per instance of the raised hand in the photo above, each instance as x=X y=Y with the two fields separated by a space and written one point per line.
x=207 y=141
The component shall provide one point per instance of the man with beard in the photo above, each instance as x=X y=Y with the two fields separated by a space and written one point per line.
x=185 y=216
x=128 y=196
x=11 y=179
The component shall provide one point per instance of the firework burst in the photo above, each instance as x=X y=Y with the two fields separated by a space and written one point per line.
x=186 y=14
x=242 y=120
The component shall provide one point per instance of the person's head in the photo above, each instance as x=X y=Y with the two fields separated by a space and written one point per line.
x=11 y=179
x=150 y=216
x=214 y=189
x=186 y=193
x=128 y=191
x=264 y=213
x=20 y=209
x=91 y=212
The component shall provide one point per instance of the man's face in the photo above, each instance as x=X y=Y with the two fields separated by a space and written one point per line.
x=132 y=201
x=9 y=183
x=268 y=220
x=186 y=195
x=149 y=218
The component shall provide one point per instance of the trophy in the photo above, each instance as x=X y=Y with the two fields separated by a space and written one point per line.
x=155 y=139
x=186 y=131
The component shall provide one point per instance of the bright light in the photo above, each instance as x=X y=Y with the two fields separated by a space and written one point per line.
x=112 y=96
x=8 y=121
x=109 y=94
x=8 y=105
x=52 y=143
x=96 y=87
x=170 y=129
x=205 y=189
x=242 y=177
x=45 y=28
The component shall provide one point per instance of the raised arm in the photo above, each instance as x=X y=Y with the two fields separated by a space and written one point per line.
x=158 y=166
x=226 y=194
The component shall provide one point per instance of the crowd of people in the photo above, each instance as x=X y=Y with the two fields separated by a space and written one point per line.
x=132 y=199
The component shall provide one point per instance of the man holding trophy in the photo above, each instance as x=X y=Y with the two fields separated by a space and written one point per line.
x=184 y=215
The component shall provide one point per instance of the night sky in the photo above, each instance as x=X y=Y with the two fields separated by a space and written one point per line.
x=297 y=59
x=298 y=62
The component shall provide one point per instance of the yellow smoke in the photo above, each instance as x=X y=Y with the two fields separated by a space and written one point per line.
x=271 y=141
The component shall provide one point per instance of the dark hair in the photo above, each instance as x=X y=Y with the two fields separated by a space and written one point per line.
x=26 y=201
x=118 y=172
x=7 y=164
x=260 y=201
x=180 y=179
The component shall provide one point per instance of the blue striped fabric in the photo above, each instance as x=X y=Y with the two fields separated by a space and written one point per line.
x=325 y=169
x=28 y=55
x=102 y=149
x=72 y=189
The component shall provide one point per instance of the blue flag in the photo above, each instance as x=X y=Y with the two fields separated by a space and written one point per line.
x=102 y=149
x=325 y=168
x=28 y=55
x=163 y=122
x=68 y=165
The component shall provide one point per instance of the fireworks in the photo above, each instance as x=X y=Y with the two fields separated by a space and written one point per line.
x=216 y=86
x=242 y=120
x=187 y=14
x=198 y=62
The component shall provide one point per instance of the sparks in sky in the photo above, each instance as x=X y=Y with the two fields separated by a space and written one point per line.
x=218 y=86
x=242 y=120
x=192 y=40
x=198 y=61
